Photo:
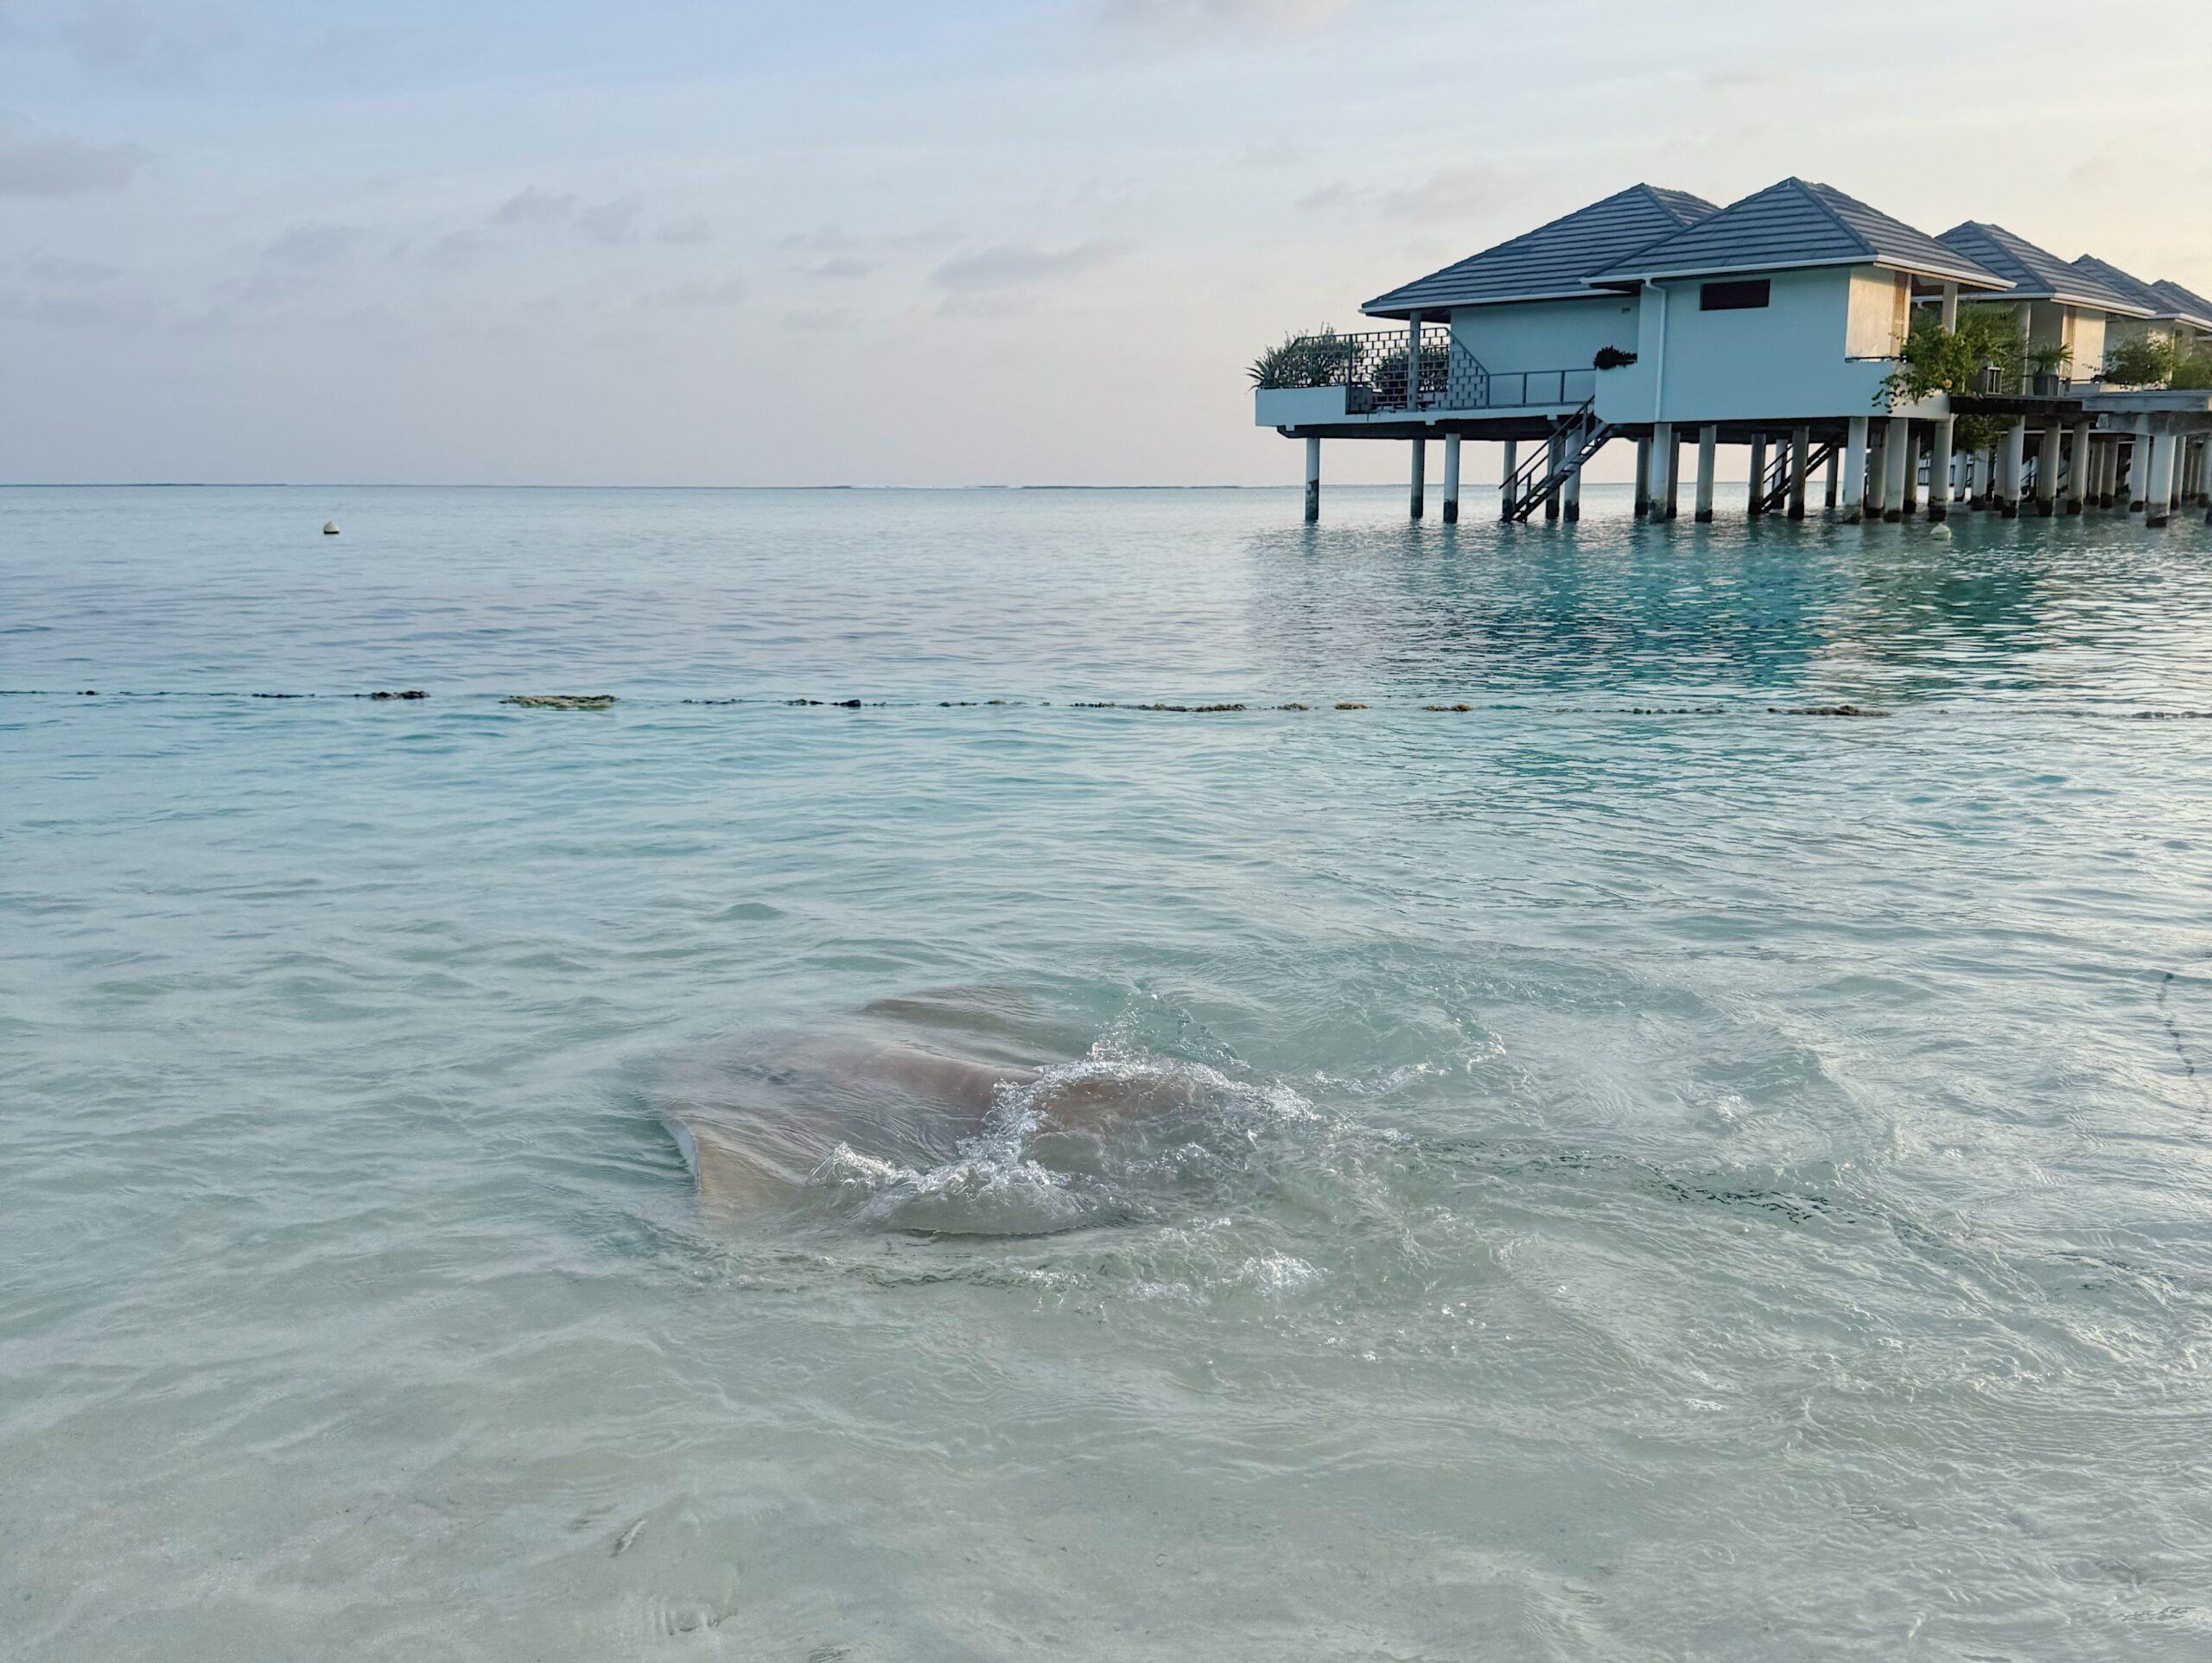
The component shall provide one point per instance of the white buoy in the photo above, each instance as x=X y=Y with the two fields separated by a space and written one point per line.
x=330 y=528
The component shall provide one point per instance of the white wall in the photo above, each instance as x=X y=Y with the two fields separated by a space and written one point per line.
x=2122 y=329
x=1780 y=362
x=2088 y=340
x=1545 y=334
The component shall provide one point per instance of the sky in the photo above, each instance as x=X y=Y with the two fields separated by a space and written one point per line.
x=708 y=242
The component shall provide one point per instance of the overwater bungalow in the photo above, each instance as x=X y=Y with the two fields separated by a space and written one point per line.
x=1780 y=323
x=2166 y=308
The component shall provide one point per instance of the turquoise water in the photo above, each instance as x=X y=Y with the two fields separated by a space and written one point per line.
x=1648 y=1176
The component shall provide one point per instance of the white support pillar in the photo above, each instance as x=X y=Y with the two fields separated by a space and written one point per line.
x=2138 y=465
x=1828 y=496
x=2047 y=470
x=1854 y=472
x=1505 y=480
x=1451 y=478
x=1554 y=458
x=1674 y=506
x=1801 y=464
x=1939 y=468
x=1878 y=474
x=2158 y=504
x=1643 y=477
x=1912 y=471
x=1897 y=467
x=1708 y=446
x=1571 y=494
x=2077 y=470
x=2107 y=470
x=1312 y=478
x=1951 y=306
x=1663 y=451
x=1755 y=506
x=2015 y=459
x=1420 y=477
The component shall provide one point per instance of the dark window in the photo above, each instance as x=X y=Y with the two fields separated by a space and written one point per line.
x=1732 y=296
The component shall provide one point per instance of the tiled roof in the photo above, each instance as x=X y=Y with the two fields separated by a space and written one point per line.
x=2134 y=288
x=2185 y=302
x=1552 y=261
x=1798 y=223
x=2036 y=274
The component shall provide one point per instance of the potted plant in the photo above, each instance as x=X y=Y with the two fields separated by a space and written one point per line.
x=2047 y=365
x=1310 y=378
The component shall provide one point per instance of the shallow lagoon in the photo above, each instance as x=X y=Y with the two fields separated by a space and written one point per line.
x=1675 y=1178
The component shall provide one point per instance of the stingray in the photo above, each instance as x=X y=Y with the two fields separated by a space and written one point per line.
x=958 y=1109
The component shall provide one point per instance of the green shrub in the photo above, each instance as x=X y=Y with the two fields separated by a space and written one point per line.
x=1435 y=371
x=2193 y=370
x=2145 y=360
x=1316 y=360
x=1939 y=360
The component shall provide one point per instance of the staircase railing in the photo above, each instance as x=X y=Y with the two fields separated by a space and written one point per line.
x=1775 y=483
x=1574 y=439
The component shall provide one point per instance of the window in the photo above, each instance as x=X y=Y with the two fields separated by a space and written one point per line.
x=1739 y=296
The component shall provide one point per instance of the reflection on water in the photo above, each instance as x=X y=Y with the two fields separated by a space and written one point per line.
x=1621 y=607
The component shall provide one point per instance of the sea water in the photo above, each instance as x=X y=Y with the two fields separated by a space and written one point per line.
x=1655 y=1174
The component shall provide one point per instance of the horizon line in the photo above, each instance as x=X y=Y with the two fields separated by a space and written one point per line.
x=489 y=484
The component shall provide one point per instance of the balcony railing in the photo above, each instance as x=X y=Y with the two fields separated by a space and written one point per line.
x=1509 y=389
x=1373 y=368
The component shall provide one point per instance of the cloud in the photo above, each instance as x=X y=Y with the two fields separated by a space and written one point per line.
x=615 y=221
x=63 y=273
x=685 y=233
x=35 y=163
x=123 y=34
x=843 y=266
x=823 y=239
x=308 y=246
x=727 y=291
x=1454 y=194
x=1014 y=266
x=836 y=239
x=1182 y=22
x=819 y=321
x=70 y=311
x=534 y=207
x=458 y=248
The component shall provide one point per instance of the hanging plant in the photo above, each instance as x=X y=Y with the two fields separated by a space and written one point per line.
x=1612 y=357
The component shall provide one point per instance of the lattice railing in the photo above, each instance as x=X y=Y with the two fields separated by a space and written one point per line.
x=1374 y=366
